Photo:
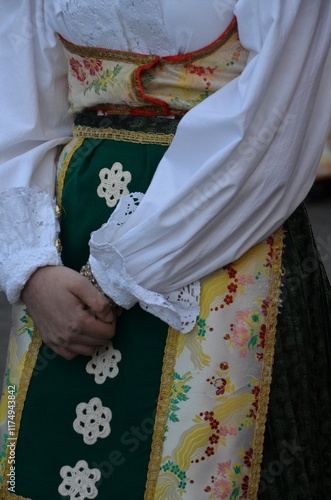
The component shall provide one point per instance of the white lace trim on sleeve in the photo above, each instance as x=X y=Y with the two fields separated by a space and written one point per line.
x=28 y=231
x=178 y=308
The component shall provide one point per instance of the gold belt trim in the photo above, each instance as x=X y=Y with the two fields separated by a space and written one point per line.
x=6 y=495
x=122 y=135
x=63 y=172
x=169 y=362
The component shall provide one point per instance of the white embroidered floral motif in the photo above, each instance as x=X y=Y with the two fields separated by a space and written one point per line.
x=113 y=184
x=104 y=363
x=92 y=420
x=79 y=481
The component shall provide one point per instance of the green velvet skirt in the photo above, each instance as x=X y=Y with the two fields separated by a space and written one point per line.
x=297 y=445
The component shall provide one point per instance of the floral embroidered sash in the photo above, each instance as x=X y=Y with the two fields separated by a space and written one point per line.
x=123 y=83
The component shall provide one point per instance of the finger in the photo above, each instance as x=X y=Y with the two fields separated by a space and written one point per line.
x=88 y=340
x=63 y=352
x=107 y=316
x=83 y=350
x=94 y=328
x=74 y=351
x=95 y=301
x=79 y=334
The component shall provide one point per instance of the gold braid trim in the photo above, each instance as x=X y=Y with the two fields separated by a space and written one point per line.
x=161 y=418
x=60 y=182
x=30 y=361
x=120 y=135
x=266 y=374
x=108 y=54
x=6 y=495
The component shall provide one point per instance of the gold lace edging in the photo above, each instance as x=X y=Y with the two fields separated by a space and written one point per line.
x=266 y=373
x=6 y=495
x=60 y=182
x=122 y=135
x=161 y=418
x=108 y=54
x=29 y=364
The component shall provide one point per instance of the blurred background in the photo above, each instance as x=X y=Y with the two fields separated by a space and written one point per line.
x=319 y=207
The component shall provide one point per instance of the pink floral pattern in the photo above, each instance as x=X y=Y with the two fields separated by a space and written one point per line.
x=77 y=69
x=231 y=479
x=248 y=332
x=92 y=65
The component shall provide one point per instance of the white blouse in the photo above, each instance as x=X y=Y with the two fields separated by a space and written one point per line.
x=239 y=165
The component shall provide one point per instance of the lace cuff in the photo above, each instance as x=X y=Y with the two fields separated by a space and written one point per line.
x=28 y=232
x=178 y=308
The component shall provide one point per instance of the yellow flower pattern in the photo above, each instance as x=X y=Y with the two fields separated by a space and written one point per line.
x=211 y=426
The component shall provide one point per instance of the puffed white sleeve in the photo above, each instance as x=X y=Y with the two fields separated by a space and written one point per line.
x=34 y=122
x=239 y=165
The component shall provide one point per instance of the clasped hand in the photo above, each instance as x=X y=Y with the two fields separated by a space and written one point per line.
x=71 y=315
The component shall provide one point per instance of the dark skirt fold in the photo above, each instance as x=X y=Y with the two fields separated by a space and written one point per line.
x=297 y=449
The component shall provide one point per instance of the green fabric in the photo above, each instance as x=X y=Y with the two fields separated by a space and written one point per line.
x=86 y=211
x=47 y=440
x=297 y=449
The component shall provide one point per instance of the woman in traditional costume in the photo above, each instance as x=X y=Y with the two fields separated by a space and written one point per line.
x=193 y=135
